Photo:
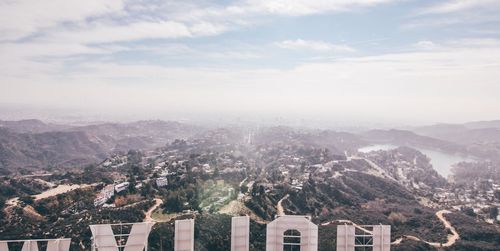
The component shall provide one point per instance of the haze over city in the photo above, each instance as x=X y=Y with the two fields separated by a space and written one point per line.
x=361 y=60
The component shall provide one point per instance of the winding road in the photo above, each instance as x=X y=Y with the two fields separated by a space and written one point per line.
x=452 y=238
x=147 y=217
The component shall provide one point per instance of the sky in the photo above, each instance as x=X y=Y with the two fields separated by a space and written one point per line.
x=354 y=60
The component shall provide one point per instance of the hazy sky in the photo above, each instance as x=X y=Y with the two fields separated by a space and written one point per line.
x=431 y=61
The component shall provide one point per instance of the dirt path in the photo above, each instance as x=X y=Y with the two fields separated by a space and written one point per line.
x=148 y=214
x=452 y=238
x=440 y=214
x=279 y=207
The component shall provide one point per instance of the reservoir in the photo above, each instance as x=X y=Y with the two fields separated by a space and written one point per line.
x=442 y=162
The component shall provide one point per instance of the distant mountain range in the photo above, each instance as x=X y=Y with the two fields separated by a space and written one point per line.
x=35 y=144
x=481 y=138
x=48 y=149
x=31 y=126
x=468 y=133
x=408 y=138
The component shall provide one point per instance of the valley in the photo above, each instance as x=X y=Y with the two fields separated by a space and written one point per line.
x=220 y=172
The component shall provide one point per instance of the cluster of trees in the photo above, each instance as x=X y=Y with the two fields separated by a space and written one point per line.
x=78 y=200
x=490 y=212
x=474 y=235
x=14 y=187
x=90 y=174
x=175 y=200
x=264 y=204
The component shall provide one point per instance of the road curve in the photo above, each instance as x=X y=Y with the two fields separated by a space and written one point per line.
x=148 y=214
x=452 y=238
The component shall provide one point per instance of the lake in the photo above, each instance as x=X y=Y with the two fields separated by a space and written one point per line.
x=442 y=162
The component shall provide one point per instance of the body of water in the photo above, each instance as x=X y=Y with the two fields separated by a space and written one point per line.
x=441 y=161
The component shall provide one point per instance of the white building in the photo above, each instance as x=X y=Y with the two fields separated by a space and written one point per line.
x=161 y=182
x=104 y=195
x=100 y=200
x=121 y=187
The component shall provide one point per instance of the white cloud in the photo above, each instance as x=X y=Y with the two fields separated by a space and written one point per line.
x=460 y=5
x=299 y=44
x=430 y=80
x=106 y=33
x=308 y=7
x=240 y=11
x=456 y=12
x=425 y=44
x=456 y=80
x=81 y=27
x=19 y=18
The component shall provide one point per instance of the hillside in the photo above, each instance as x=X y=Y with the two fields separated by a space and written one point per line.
x=49 y=149
x=31 y=126
x=461 y=134
x=409 y=168
x=480 y=138
x=32 y=144
x=263 y=173
x=138 y=135
x=336 y=142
